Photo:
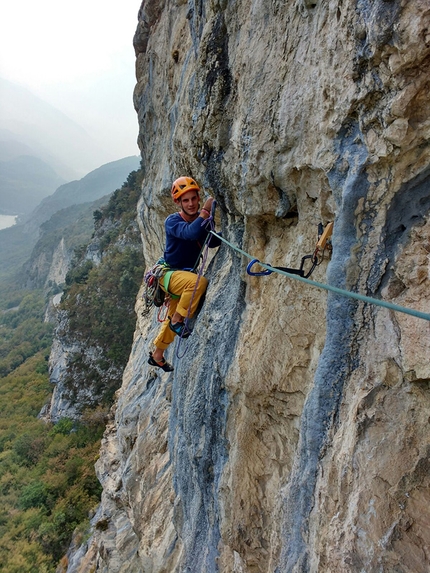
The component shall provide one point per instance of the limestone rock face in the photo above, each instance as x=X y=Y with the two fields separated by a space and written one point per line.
x=294 y=434
x=72 y=391
x=81 y=369
x=60 y=264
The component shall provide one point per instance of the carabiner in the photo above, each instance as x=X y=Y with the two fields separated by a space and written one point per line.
x=311 y=270
x=261 y=273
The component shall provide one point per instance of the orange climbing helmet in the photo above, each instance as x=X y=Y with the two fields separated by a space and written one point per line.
x=183 y=185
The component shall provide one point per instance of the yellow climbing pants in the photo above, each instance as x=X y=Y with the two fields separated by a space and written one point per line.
x=182 y=284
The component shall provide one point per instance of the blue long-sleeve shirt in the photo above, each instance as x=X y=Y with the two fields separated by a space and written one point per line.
x=184 y=241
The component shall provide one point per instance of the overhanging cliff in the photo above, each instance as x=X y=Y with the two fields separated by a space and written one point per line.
x=293 y=435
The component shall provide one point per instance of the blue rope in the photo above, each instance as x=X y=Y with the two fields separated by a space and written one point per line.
x=342 y=292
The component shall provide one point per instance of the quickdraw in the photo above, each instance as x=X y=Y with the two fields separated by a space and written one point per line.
x=324 y=242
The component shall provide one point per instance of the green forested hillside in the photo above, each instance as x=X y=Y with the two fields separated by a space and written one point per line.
x=22 y=331
x=48 y=486
x=47 y=481
x=99 y=299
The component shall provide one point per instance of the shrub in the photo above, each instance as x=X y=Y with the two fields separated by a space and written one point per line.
x=34 y=495
x=63 y=426
x=29 y=448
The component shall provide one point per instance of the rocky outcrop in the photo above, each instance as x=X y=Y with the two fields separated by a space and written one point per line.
x=75 y=370
x=293 y=435
x=60 y=264
x=88 y=353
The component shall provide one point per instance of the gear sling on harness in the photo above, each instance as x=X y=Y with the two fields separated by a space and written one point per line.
x=156 y=285
x=166 y=280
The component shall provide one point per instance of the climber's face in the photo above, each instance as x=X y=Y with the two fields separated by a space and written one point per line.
x=190 y=203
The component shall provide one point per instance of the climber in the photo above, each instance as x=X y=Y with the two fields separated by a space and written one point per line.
x=185 y=235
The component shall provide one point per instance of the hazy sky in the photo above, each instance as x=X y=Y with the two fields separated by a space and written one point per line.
x=79 y=57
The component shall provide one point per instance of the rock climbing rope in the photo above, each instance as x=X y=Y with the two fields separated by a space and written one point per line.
x=336 y=290
x=153 y=295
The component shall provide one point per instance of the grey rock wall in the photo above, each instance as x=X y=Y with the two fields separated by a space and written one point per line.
x=293 y=435
x=73 y=392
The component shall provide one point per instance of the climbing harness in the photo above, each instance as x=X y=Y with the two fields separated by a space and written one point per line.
x=336 y=290
x=324 y=241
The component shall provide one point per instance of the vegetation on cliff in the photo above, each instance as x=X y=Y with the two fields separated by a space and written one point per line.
x=48 y=486
x=99 y=298
x=47 y=483
x=22 y=330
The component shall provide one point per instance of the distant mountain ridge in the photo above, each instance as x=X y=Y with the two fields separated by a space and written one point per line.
x=12 y=145
x=11 y=148
x=24 y=181
x=17 y=242
x=93 y=186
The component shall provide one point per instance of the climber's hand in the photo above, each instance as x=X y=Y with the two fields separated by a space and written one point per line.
x=208 y=204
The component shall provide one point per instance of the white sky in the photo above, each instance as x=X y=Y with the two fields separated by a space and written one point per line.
x=79 y=57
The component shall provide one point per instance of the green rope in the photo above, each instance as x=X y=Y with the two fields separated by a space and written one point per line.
x=342 y=292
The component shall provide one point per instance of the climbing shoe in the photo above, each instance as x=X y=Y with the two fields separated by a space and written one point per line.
x=163 y=364
x=180 y=329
